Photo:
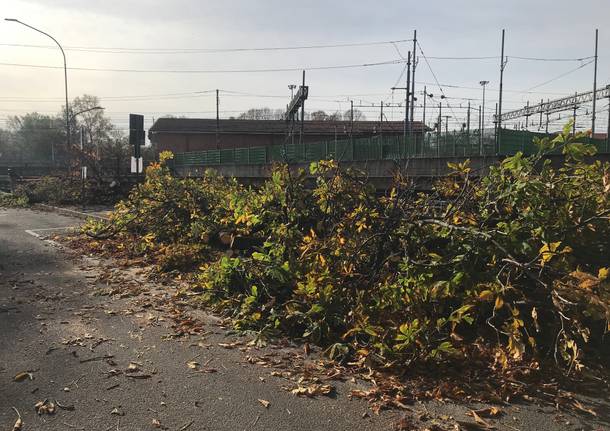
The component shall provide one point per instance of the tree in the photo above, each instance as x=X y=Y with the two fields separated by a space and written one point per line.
x=33 y=136
x=319 y=116
x=262 y=114
x=358 y=115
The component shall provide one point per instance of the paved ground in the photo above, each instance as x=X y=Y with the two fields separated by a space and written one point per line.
x=78 y=347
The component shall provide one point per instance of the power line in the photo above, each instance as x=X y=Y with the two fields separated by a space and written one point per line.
x=122 y=50
x=286 y=69
x=434 y=75
x=560 y=76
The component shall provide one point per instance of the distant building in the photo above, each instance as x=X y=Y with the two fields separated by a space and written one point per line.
x=181 y=135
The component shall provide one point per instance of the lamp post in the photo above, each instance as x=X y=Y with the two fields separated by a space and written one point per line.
x=65 y=73
x=483 y=84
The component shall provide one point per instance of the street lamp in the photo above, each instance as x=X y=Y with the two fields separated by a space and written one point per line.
x=65 y=73
x=483 y=84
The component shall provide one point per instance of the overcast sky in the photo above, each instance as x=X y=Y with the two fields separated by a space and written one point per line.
x=544 y=29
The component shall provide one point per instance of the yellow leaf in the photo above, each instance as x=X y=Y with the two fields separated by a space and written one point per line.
x=484 y=295
x=547 y=251
x=499 y=303
x=602 y=274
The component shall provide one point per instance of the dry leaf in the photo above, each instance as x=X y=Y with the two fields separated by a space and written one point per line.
x=18 y=423
x=132 y=367
x=582 y=408
x=45 y=406
x=479 y=420
x=265 y=403
x=489 y=412
x=23 y=376
x=156 y=423
x=313 y=390
x=193 y=365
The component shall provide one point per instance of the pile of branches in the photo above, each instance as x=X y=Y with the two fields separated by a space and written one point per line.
x=511 y=267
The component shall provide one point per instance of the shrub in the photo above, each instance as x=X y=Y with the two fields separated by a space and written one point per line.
x=512 y=266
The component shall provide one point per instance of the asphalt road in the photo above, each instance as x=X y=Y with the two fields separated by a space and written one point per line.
x=78 y=347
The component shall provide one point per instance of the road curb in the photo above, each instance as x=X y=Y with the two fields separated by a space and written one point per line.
x=68 y=212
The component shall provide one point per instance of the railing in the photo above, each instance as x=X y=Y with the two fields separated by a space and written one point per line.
x=456 y=144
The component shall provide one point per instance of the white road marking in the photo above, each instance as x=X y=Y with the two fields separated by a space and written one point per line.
x=34 y=233
x=52 y=228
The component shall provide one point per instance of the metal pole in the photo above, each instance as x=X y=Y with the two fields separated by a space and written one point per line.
x=499 y=113
x=480 y=136
x=594 y=86
x=468 y=120
x=424 y=115
x=527 y=117
x=82 y=167
x=217 y=121
x=351 y=129
x=407 y=95
x=381 y=120
x=547 y=118
x=608 y=129
x=65 y=74
x=303 y=113
x=468 y=126
x=574 y=117
x=413 y=83
x=496 y=132
x=439 y=125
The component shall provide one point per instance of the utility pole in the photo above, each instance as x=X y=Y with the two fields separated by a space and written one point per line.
x=540 y=119
x=527 y=117
x=381 y=120
x=480 y=136
x=468 y=121
x=413 y=98
x=439 y=126
x=546 y=130
x=496 y=131
x=574 y=117
x=407 y=89
x=351 y=121
x=424 y=115
x=217 y=121
x=303 y=113
x=446 y=128
x=482 y=125
x=499 y=113
x=608 y=129
x=594 y=86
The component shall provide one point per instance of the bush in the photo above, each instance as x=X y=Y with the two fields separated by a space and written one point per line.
x=512 y=267
x=11 y=200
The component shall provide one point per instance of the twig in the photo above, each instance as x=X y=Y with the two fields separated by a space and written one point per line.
x=96 y=358
x=183 y=427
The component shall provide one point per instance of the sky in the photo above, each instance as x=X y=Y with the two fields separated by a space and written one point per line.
x=160 y=57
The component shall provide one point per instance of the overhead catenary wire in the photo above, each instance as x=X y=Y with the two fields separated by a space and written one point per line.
x=208 y=71
x=123 y=50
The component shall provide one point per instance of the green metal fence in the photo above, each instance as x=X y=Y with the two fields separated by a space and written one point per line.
x=456 y=144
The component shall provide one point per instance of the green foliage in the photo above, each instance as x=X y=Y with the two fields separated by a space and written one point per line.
x=10 y=200
x=513 y=266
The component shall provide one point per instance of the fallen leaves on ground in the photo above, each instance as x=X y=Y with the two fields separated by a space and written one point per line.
x=265 y=403
x=313 y=390
x=45 y=406
x=20 y=377
x=18 y=423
